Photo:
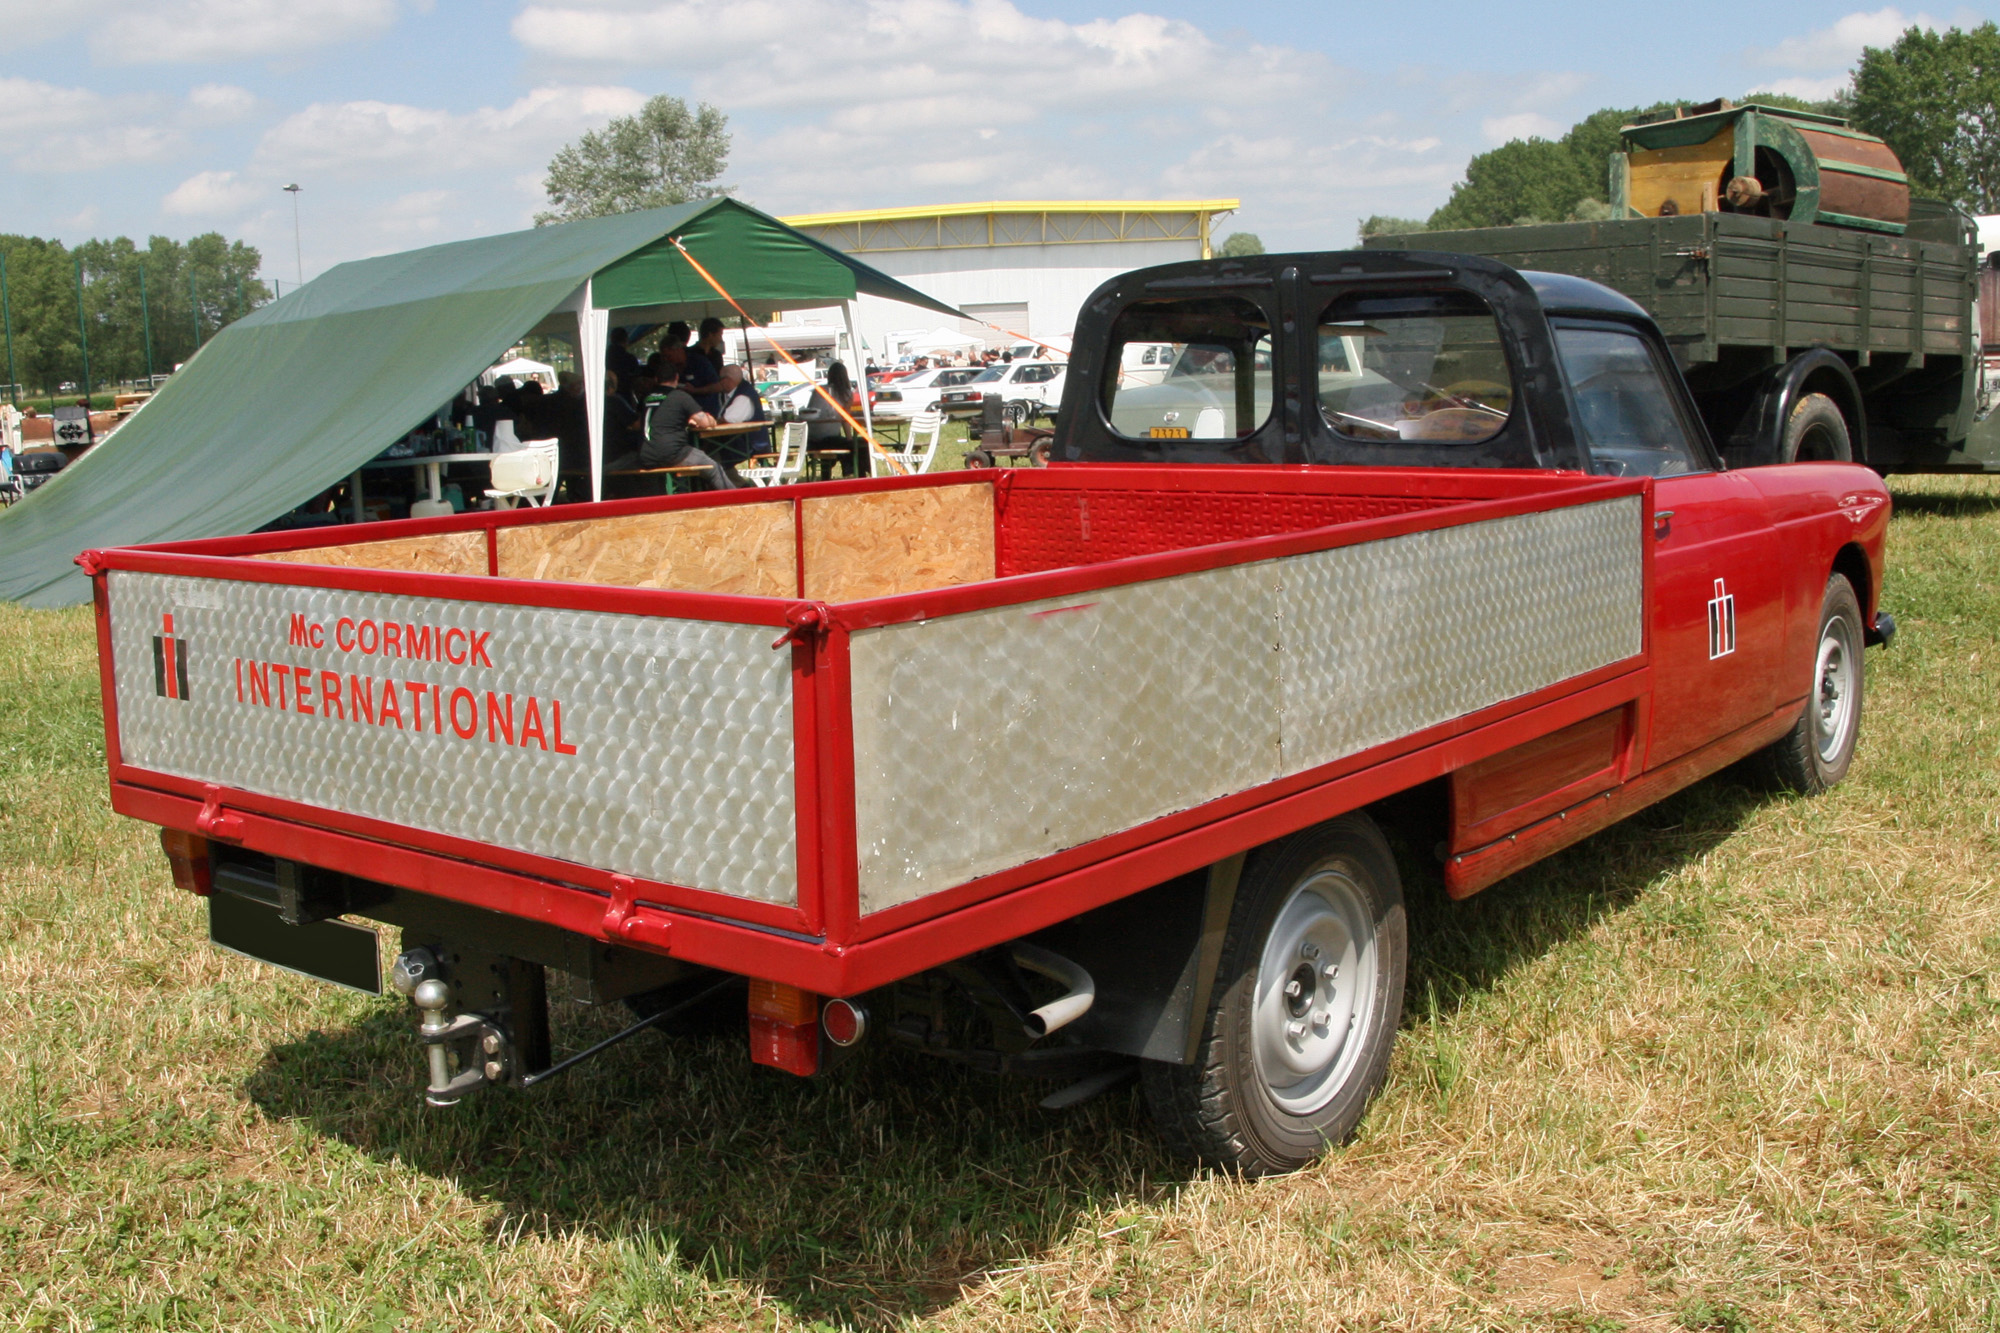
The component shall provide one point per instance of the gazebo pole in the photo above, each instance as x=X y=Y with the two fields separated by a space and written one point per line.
x=854 y=347
x=593 y=326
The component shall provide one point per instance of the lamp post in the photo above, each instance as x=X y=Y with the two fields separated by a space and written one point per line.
x=298 y=254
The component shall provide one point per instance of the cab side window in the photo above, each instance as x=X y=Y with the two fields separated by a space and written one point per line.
x=1626 y=412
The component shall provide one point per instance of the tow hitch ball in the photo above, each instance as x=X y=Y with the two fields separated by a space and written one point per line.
x=474 y=1043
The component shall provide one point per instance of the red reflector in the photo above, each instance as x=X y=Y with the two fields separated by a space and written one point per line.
x=792 y=1047
x=844 y=1022
x=187 y=854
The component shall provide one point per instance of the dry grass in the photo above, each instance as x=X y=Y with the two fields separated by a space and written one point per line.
x=1733 y=1065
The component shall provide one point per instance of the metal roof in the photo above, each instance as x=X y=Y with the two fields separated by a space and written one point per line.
x=1017 y=206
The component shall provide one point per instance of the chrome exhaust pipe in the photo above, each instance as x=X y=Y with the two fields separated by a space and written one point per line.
x=1079 y=993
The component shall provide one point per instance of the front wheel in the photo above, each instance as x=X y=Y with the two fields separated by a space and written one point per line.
x=1815 y=753
x=1306 y=1002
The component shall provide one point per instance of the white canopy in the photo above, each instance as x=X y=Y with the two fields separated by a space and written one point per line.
x=521 y=368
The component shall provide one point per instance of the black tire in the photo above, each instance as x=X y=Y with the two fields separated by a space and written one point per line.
x=1302 y=901
x=1816 y=752
x=1815 y=432
x=978 y=458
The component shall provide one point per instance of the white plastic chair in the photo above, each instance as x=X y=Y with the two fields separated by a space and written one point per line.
x=791 y=459
x=528 y=473
x=926 y=429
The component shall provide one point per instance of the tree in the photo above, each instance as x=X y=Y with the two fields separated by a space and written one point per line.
x=119 y=304
x=1241 y=244
x=1381 y=224
x=1934 y=97
x=663 y=155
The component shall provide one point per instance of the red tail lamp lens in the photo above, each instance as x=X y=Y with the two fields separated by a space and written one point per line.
x=187 y=854
x=784 y=1027
x=845 y=1022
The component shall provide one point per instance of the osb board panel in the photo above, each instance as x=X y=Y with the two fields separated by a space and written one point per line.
x=748 y=550
x=878 y=545
x=444 y=553
x=1685 y=175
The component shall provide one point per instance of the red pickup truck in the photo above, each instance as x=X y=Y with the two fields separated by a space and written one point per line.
x=1071 y=771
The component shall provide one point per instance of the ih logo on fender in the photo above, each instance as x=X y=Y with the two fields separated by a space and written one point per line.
x=170 y=667
x=1721 y=622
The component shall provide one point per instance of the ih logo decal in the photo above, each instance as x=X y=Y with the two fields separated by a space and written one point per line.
x=1721 y=622
x=170 y=667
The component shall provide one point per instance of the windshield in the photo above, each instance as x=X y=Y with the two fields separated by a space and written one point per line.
x=1426 y=367
x=990 y=374
x=1216 y=381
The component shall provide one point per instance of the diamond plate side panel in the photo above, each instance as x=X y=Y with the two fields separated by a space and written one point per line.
x=988 y=739
x=1386 y=638
x=682 y=730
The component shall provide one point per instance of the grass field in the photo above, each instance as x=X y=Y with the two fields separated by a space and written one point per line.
x=1732 y=1065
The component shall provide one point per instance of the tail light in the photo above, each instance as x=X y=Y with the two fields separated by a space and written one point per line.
x=844 y=1022
x=784 y=1027
x=187 y=853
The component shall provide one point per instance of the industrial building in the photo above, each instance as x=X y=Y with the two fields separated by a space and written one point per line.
x=1023 y=267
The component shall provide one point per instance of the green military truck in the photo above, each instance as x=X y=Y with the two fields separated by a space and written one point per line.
x=1805 y=331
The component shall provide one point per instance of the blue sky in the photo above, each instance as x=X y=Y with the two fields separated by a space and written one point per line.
x=408 y=122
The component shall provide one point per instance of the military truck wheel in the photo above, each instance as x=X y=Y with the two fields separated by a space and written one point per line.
x=1305 y=1007
x=1815 y=753
x=1816 y=432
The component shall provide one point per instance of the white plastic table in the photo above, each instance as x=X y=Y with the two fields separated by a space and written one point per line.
x=433 y=465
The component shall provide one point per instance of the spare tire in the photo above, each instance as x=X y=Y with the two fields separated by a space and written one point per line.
x=1815 y=432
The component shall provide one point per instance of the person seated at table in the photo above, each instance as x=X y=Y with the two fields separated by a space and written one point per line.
x=618 y=358
x=740 y=403
x=827 y=429
x=669 y=441
x=701 y=373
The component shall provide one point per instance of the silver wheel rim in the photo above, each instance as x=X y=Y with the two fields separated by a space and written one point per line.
x=1834 y=690
x=1315 y=992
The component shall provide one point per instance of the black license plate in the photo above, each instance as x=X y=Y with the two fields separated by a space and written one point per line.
x=336 y=951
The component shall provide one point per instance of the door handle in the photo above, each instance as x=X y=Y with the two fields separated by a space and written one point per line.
x=1663 y=522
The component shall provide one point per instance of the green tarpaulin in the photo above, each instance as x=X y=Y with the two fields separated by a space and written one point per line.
x=293 y=397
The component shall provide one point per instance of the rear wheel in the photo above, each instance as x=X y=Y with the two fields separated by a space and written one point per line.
x=1304 y=1011
x=1815 y=753
x=1816 y=432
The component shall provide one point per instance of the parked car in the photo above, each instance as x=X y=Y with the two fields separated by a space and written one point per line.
x=1038 y=382
x=910 y=394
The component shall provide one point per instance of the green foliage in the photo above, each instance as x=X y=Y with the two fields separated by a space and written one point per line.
x=1934 y=97
x=664 y=155
x=1241 y=243
x=42 y=303
x=1379 y=224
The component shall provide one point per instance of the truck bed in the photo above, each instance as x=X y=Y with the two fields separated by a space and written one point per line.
x=773 y=731
x=1715 y=280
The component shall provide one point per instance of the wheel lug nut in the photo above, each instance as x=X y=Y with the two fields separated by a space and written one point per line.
x=1293 y=990
x=1319 y=1019
x=1309 y=949
x=1330 y=971
x=1295 y=1028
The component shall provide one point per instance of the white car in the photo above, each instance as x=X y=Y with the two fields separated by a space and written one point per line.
x=1038 y=382
x=907 y=395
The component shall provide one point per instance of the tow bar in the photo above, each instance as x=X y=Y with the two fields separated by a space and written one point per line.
x=478 y=1045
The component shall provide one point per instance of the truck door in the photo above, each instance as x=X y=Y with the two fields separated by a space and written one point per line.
x=1717 y=616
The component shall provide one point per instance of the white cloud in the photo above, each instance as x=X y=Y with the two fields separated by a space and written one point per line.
x=212 y=194
x=1840 y=45
x=344 y=140
x=77 y=129
x=220 y=103
x=120 y=32
x=1521 y=125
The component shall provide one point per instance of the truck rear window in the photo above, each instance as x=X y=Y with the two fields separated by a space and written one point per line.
x=1191 y=369
x=1413 y=368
